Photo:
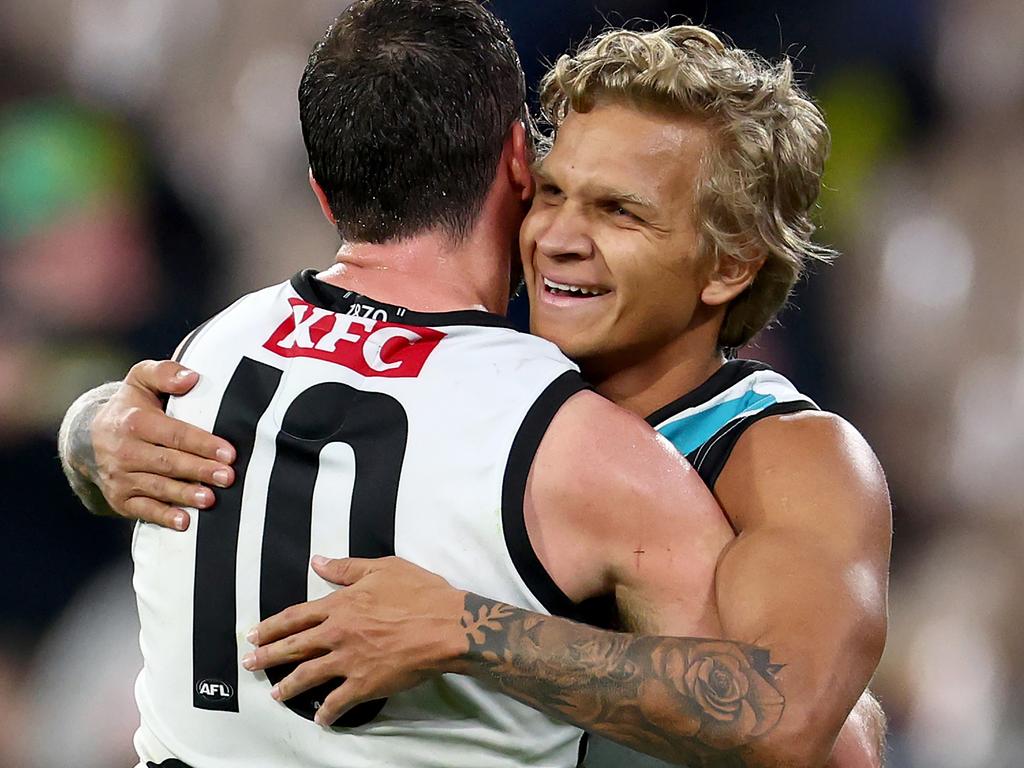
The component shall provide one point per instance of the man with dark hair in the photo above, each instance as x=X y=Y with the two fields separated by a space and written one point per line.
x=646 y=297
x=434 y=129
x=374 y=408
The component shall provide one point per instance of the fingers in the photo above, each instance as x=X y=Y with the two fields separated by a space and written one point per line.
x=174 y=492
x=164 y=377
x=155 y=427
x=302 y=646
x=178 y=465
x=146 y=462
x=164 y=515
x=345 y=571
x=162 y=476
x=290 y=621
x=307 y=676
x=341 y=700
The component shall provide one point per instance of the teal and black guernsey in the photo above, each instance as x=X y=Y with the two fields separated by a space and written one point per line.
x=705 y=424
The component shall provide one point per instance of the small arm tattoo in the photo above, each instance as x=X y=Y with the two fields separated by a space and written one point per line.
x=74 y=442
x=692 y=701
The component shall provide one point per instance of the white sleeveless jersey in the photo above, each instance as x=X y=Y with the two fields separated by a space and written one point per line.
x=365 y=430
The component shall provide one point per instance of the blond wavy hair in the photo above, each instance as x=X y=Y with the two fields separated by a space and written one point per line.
x=761 y=177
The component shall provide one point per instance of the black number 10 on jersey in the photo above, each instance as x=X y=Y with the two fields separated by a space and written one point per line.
x=375 y=427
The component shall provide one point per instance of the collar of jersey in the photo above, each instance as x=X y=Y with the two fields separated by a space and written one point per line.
x=340 y=300
x=730 y=373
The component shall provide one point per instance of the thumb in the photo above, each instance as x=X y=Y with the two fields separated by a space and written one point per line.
x=162 y=378
x=345 y=571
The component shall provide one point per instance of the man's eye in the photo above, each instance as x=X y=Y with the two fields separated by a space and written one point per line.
x=550 y=190
x=619 y=211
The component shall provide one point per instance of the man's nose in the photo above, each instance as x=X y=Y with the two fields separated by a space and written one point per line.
x=566 y=236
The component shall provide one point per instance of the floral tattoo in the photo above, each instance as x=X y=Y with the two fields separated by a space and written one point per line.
x=686 y=700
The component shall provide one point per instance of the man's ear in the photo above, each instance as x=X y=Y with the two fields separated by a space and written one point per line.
x=520 y=159
x=730 y=277
x=322 y=199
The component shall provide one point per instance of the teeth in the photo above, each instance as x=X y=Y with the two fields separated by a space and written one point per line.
x=560 y=286
x=572 y=288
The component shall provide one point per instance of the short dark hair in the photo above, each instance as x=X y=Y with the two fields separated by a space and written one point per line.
x=405 y=106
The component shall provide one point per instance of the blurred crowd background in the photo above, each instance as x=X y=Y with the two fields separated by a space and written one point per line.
x=151 y=168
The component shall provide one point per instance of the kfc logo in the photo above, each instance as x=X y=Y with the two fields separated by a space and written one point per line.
x=367 y=346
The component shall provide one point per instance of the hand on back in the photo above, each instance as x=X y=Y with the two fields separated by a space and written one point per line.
x=148 y=465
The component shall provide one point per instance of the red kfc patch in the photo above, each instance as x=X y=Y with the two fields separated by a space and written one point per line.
x=367 y=346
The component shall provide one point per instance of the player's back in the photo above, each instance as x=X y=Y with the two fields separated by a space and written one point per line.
x=362 y=430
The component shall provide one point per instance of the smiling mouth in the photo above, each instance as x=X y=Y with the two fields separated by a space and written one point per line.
x=575 y=291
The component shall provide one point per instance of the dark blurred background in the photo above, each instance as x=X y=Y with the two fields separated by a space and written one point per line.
x=151 y=168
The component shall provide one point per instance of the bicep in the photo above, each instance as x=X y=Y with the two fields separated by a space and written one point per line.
x=808 y=575
x=817 y=611
x=785 y=587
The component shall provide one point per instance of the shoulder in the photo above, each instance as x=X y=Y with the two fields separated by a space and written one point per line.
x=593 y=444
x=239 y=314
x=784 y=464
x=806 y=442
x=603 y=486
x=601 y=482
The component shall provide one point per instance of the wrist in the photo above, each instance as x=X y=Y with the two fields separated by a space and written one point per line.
x=74 y=442
x=484 y=628
x=455 y=652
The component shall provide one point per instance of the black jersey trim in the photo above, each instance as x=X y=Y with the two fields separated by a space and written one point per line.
x=187 y=342
x=327 y=296
x=184 y=345
x=172 y=763
x=179 y=355
x=513 y=492
x=732 y=372
x=581 y=755
x=710 y=458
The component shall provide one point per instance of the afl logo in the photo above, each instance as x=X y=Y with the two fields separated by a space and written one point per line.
x=215 y=690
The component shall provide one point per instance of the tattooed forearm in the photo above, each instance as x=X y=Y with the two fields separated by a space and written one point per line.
x=74 y=442
x=687 y=700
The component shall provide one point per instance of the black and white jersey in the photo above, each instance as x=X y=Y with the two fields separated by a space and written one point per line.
x=364 y=430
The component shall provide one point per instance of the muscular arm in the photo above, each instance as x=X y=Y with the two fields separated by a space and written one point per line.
x=801 y=592
x=630 y=504
x=808 y=575
x=686 y=700
x=74 y=442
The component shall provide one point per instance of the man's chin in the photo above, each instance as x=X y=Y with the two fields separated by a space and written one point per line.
x=574 y=343
x=554 y=333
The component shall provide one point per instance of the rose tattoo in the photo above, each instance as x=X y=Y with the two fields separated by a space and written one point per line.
x=690 y=699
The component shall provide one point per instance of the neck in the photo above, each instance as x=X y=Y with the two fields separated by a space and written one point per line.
x=645 y=385
x=428 y=273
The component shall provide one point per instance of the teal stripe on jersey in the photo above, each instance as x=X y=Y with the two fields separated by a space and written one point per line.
x=691 y=432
